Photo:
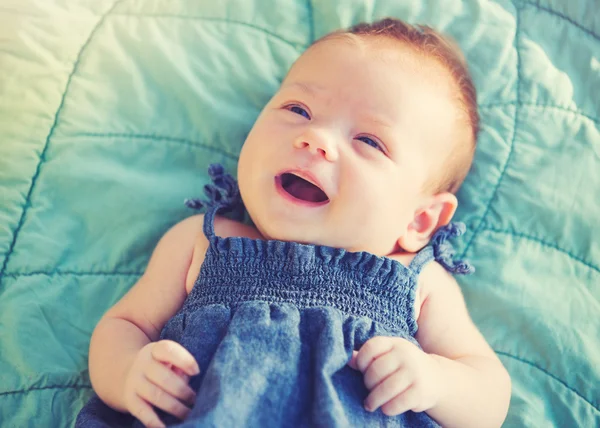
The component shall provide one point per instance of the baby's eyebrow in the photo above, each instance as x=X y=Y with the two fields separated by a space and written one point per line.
x=310 y=88
x=378 y=120
x=317 y=90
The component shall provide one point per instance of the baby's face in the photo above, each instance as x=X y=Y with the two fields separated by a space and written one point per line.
x=340 y=154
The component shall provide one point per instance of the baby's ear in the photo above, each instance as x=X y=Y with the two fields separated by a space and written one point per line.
x=436 y=211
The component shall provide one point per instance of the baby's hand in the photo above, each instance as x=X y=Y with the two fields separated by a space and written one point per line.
x=159 y=377
x=399 y=375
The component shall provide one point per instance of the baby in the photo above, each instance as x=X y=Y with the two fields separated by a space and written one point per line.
x=337 y=308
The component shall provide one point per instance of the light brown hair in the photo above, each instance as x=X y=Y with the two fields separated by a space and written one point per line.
x=428 y=42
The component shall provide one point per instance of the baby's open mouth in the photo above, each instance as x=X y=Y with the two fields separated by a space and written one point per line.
x=301 y=189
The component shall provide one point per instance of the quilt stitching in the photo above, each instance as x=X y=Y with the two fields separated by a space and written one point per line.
x=547 y=373
x=544 y=243
x=543 y=107
x=224 y=20
x=513 y=139
x=36 y=175
x=178 y=140
x=42 y=388
x=563 y=16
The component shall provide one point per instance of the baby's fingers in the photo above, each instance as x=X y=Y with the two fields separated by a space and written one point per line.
x=144 y=412
x=169 y=352
x=371 y=350
x=380 y=369
x=352 y=362
x=165 y=378
x=391 y=388
x=407 y=400
x=163 y=400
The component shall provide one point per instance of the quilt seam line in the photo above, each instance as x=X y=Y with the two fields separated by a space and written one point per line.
x=543 y=107
x=183 y=141
x=513 y=139
x=547 y=373
x=41 y=388
x=311 y=11
x=542 y=242
x=71 y=273
x=214 y=19
x=563 y=16
x=27 y=203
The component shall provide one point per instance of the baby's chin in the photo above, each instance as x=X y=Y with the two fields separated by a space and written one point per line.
x=313 y=231
x=300 y=234
x=309 y=237
x=287 y=234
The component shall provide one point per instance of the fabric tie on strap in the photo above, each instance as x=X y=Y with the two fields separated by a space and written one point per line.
x=223 y=195
x=443 y=251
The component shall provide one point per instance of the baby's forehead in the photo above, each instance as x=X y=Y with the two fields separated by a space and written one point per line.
x=364 y=48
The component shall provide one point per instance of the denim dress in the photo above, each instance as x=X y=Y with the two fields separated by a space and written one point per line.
x=273 y=325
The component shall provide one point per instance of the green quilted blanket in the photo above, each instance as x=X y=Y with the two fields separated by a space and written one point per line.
x=111 y=111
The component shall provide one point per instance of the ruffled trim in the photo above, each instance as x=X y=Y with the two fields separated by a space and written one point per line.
x=302 y=259
x=223 y=193
x=443 y=251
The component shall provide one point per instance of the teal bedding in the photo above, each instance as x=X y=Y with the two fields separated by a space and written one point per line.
x=111 y=111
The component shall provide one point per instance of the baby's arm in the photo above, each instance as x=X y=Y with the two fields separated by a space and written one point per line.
x=457 y=378
x=475 y=385
x=124 y=336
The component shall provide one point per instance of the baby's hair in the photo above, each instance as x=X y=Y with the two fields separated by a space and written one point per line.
x=425 y=40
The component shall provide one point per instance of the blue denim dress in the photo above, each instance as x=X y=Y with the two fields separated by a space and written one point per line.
x=273 y=325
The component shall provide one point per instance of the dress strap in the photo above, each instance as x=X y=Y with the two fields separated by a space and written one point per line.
x=209 y=222
x=221 y=196
x=442 y=251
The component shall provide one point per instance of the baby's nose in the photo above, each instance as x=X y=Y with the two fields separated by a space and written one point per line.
x=317 y=146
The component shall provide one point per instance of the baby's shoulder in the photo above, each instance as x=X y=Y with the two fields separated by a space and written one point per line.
x=432 y=278
x=227 y=228
x=432 y=275
x=224 y=228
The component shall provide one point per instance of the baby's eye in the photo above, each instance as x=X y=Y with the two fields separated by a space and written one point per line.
x=299 y=110
x=371 y=142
